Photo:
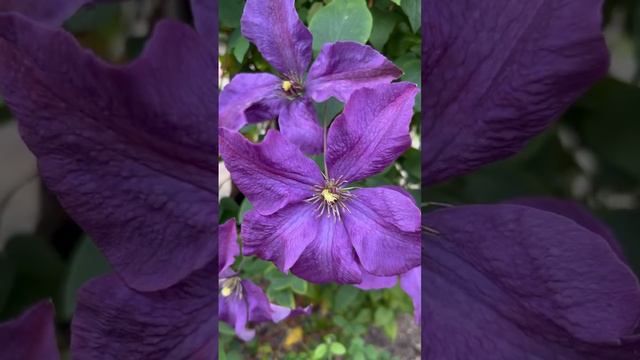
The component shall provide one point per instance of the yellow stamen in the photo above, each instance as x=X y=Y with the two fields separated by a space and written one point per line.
x=286 y=85
x=329 y=196
x=226 y=291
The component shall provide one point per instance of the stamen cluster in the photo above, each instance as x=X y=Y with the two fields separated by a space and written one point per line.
x=231 y=286
x=331 y=197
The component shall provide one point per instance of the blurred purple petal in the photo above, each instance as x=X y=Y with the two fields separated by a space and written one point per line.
x=260 y=310
x=343 y=67
x=205 y=18
x=127 y=150
x=384 y=227
x=498 y=73
x=373 y=282
x=271 y=174
x=30 y=336
x=372 y=132
x=241 y=93
x=280 y=237
x=298 y=123
x=524 y=282
x=274 y=27
x=411 y=282
x=233 y=310
x=228 y=247
x=115 y=322
x=50 y=12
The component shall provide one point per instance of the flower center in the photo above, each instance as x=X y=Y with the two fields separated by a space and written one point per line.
x=331 y=198
x=292 y=88
x=231 y=286
x=286 y=85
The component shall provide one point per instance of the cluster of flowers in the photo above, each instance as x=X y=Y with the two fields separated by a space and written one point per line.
x=316 y=222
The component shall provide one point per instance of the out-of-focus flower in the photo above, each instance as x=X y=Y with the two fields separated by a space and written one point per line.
x=30 y=336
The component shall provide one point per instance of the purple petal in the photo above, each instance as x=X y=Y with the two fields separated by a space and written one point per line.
x=576 y=212
x=384 y=228
x=499 y=72
x=372 y=131
x=298 y=123
x=50 y=12
x=524 y=283
x=244 y=91
x=115 y=322
x=234 y=311
x=30 y=336
x=127 y=150
x=373 y=282
x=228 y=247
x=260 y=310
x=205 y=18
x=344 y=67
x=271 y=174
x=280 y=237
x=411 y=282
x=274 y=27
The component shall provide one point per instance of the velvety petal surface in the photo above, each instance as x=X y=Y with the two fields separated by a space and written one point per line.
x=518 y=282
x=372 y=131
x=576 y=212
x=113 y=321
x=205 y=18
x=30 y=336
x=128 y=151
x=383 y=224
x=228 y=247
x=241 y=93
x=317 y=249
x=271 y=174
x=50 y=12
x=411 y=282
x=299 y=124
x=343 y=67
x=497 y=73
x=274 y=27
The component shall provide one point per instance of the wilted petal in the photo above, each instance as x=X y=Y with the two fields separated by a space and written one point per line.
x=343 y=67
x=280 y=237
x=30 y=336
x=113 y=321
x=205 y=18
x=274 y=27
x=411 y=282
x=129 y=151
x=51 y=12
x=298 y=123
x=519 y=282
x=271 y=174
x=574 y=211
x=384 y=226
x=497 y=73
x=372 y=131
x=228 y=247
x=244 y=91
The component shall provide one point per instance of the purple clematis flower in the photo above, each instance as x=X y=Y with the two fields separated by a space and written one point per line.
x=339 y=69
x=311 y=222
x=51 y=12
x=536 y=278
x=30 y=336
x=240 y=300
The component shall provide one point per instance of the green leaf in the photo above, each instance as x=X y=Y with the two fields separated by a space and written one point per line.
x=397 y=2
x=383 y=24
x=382 y=316
x=7 y=277
x=239 y=45
x=411 y=161
x=244 y=207
x=327 y=110
x=224 y=328
x=412 y=9
x=391 y=329
x=229 y=12
x=320 y=351
x=338 y=349
x=299 y=286
x=345 y=296
x=228 y=209
x=341 y=20
x=281 y=297
x=86 y=262
x=313 y=10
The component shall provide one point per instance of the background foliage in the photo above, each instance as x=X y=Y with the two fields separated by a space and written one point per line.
x=346 y=322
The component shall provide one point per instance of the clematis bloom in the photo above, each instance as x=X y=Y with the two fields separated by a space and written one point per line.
x=31 y=336
x=312 y=222
x=339 y=69
x=240 y=300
